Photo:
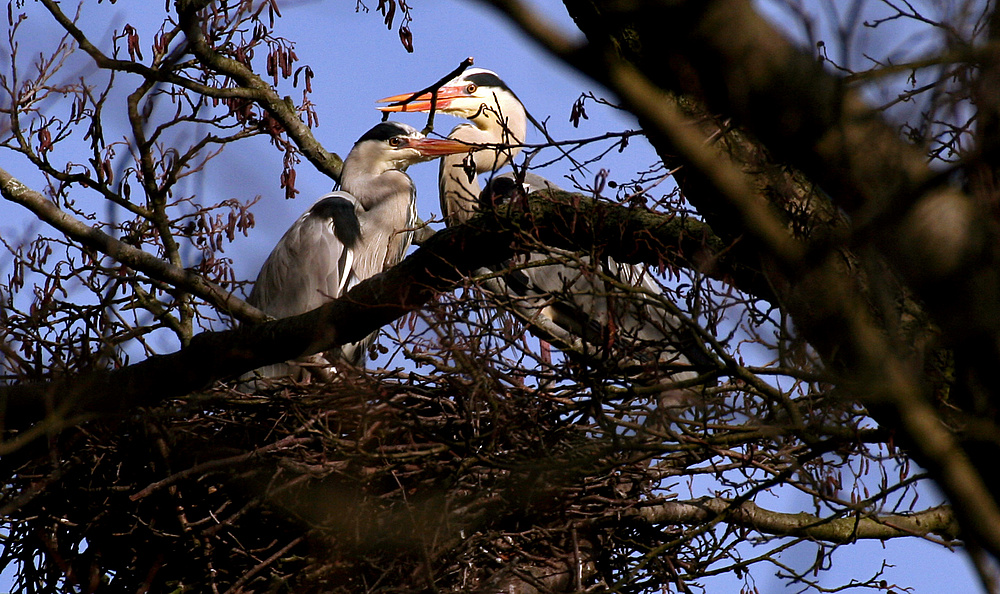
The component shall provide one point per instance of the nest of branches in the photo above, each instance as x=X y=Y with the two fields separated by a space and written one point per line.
x=373 y=483
x=492 y=464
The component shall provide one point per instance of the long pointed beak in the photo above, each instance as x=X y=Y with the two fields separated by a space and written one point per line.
x=434 y=147
x=445 y=96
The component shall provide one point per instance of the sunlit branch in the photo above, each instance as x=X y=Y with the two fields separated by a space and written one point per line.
x=938 y=520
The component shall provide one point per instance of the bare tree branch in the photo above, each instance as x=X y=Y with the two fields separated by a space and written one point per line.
x=263 y=93
x=13 y=190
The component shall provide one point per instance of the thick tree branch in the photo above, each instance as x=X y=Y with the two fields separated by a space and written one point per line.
x=557 y=575
x=726 y=53
x=933 y=234
x=564 y=220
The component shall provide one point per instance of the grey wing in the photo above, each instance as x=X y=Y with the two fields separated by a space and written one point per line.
x=655 y=325
x=313 y=261
x=643 y=319
x=311 y=264
x=589 y=302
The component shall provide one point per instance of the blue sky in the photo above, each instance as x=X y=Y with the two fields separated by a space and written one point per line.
x=356 y=61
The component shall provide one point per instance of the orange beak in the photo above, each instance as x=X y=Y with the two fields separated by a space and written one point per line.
x=406 y=101
x=434 y=147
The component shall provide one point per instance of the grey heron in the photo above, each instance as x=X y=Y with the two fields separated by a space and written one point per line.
x=347 y=236
x=576 y=300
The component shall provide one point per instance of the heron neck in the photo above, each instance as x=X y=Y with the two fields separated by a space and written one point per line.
x=373 y=190
x=505 y=123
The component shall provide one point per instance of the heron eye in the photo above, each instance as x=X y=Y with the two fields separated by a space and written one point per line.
x=471 y=88
x=395 y=141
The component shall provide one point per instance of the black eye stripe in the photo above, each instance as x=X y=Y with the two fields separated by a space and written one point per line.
x=486 y=79
x=385 y=131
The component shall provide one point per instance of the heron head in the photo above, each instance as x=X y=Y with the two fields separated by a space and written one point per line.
x=475 y=94
x=394 y=145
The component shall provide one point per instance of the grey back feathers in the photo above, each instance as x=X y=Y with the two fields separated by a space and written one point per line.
x=505 y=187
x=312 y=262
x=338 y=208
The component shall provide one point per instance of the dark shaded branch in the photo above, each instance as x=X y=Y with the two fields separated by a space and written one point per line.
x=564 y=220
x=726 y=53
x=635 y=235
